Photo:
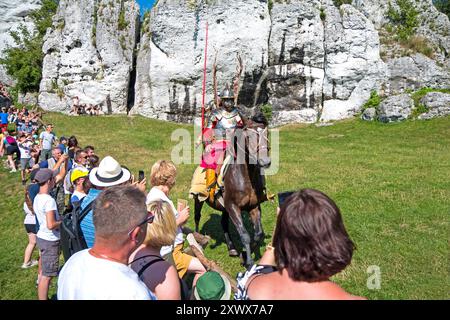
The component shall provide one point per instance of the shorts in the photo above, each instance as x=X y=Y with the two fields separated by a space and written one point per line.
x=25 y=163
x=30 y=228
x=10 y=150
x=49 y=256
x=181 y=259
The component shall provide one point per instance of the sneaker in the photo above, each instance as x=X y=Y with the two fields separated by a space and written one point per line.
x=13 y=170
x=30 y=264
x=191 y=240
x=24 y=182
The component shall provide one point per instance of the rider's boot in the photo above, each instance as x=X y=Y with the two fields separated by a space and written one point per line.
x=211 y=183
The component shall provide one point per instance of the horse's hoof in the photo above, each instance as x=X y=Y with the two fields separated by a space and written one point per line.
x=233 y=253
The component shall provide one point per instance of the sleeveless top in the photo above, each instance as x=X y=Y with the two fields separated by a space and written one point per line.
x=242 y=279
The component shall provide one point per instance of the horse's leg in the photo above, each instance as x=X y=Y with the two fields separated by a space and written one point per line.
x=235 y=215
x=198 y=212
x=232 y=252
x=255 y=216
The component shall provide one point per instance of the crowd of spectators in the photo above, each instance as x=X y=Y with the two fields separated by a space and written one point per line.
x=136 y=237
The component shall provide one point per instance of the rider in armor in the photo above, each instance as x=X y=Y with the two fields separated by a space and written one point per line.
x=221 y=122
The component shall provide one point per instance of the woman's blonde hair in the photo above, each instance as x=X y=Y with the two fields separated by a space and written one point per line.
x=163 y=229
x=163 y=173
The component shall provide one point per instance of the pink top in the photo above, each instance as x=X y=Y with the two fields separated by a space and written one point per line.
x=215 y=155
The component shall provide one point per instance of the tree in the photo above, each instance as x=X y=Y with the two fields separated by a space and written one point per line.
x=23 y=62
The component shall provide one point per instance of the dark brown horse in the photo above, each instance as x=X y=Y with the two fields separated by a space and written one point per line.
x=244 y=186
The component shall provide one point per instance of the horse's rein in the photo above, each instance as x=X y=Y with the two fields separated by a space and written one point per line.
x=261 y=135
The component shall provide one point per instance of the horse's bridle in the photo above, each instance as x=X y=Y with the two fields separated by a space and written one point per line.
x=261 y=135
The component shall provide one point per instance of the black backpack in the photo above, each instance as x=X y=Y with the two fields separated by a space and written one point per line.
x=72 y=239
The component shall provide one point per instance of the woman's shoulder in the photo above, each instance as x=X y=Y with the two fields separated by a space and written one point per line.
x=169 y=286
x=261 y=285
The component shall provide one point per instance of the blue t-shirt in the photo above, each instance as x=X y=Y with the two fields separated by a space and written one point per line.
x=4 y=118
x=87 y=224
x=62 y=147
x=26 y=128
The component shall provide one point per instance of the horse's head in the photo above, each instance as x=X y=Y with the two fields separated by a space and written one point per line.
x=257 y=141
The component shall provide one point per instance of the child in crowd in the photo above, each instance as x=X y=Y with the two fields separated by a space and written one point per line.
x=26 y=161
x=78 y=178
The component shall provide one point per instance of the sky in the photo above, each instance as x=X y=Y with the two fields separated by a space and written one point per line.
x=146 y=4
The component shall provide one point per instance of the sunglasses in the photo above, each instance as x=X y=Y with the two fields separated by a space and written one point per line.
x=148 y=219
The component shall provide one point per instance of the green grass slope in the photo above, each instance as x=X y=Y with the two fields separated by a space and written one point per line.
x=391 y=182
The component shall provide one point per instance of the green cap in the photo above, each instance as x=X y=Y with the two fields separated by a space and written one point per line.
x=212 y=286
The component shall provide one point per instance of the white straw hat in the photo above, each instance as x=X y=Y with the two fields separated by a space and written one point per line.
x=109 y=173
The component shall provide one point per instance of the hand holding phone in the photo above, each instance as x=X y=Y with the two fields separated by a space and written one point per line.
x=181 y=204
x=141 y=176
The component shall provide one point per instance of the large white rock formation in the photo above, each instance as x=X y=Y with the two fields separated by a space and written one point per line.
x=89 y=54
x=13 y=13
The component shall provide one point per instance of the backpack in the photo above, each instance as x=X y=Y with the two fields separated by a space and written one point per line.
x=72 y=238
x=11 y=141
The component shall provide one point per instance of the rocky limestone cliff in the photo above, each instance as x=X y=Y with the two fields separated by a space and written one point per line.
x=89 y=54
x=13 y=13
x=308 y=67
x=171 y=55
x=309 y=60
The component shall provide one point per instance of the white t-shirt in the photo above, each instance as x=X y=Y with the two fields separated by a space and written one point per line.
x=25 y=149
x=154 y=195
x=77 y=196
x=85 y=277
x=47 y=140
x=29 y=216
x=42 y=204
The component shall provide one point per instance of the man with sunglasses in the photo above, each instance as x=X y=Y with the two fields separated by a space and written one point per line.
x=81 y=161
x=102 y=273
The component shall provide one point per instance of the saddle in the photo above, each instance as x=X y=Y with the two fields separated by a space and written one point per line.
x=198 y=183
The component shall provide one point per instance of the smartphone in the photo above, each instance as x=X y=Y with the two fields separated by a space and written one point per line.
x=141 y=176
x=181 y=204
x=282 y=196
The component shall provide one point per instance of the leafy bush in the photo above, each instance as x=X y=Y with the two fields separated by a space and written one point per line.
x=323 y=14
x=405 y=19
x=266 y=109
x=24 y=62
x=123 y=24
x=420 y=109
x=373 y=102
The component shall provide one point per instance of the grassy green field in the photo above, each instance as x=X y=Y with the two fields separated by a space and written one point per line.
x=391 y=182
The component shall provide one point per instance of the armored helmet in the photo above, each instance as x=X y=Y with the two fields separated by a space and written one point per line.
x=227 y=93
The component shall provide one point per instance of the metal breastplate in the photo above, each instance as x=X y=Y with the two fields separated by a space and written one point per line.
x=227 y=120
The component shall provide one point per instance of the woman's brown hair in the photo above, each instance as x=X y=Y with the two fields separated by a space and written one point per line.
x=310 y=239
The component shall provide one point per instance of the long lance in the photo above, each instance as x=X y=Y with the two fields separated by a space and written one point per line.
x=204 y=81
